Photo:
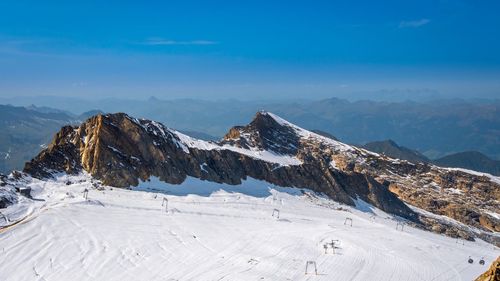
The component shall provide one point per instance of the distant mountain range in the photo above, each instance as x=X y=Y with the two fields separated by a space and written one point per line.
x=471 y=160
x=434 y=129
x=392 y=149
x=24 y=131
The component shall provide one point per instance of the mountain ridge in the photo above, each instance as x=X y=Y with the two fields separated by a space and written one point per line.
x=435 y=128
x=472 y=160
x=150 y=149
x=121 y=151
x=393 y=150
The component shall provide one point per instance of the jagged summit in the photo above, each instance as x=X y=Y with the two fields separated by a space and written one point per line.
x=121 y=151
x=268 y=131
x=265 y=132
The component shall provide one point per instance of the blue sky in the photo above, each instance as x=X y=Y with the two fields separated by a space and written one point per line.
x=249 y=49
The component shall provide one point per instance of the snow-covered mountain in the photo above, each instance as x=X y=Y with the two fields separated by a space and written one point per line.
x=123 y=151
x=259 y=204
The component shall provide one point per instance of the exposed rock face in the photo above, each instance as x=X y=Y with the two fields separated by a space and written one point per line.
x=264 y=133
x=7 y=192
x=492 y=274
x=121 y=150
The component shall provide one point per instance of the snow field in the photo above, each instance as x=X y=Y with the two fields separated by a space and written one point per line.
x=218 y=235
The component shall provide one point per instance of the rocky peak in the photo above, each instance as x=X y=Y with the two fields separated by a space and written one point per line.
x=121 y=151
x=265 y=132
x=116 y=148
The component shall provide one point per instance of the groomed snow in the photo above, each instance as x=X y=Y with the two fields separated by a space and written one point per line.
x=218 y=232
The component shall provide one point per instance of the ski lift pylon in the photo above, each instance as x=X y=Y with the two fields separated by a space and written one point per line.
x=313 y=265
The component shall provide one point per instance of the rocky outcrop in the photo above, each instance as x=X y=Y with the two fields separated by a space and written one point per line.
x=492 y=274
x=121 y=151
x=7 y=192
x=264 y=133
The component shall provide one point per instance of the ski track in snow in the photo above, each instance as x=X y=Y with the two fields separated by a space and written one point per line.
x=127 y=235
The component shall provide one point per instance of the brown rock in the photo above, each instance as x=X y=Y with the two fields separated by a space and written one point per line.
x=493 y=273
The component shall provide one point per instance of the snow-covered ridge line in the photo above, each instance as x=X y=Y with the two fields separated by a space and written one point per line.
x=185 y=142
x=265 y=155
x=306 y=134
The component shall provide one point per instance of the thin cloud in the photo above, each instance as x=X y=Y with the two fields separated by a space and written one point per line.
x=166 y=42
x=414 y=23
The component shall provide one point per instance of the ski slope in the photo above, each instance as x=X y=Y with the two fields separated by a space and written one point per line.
x=217 y=232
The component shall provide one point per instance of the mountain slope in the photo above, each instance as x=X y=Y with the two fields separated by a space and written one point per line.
x=471 y=160
x=123 y=151
x=218 y=232
x=435 y=128
x=393 y=150
x=24 y=131
x=325 y=134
